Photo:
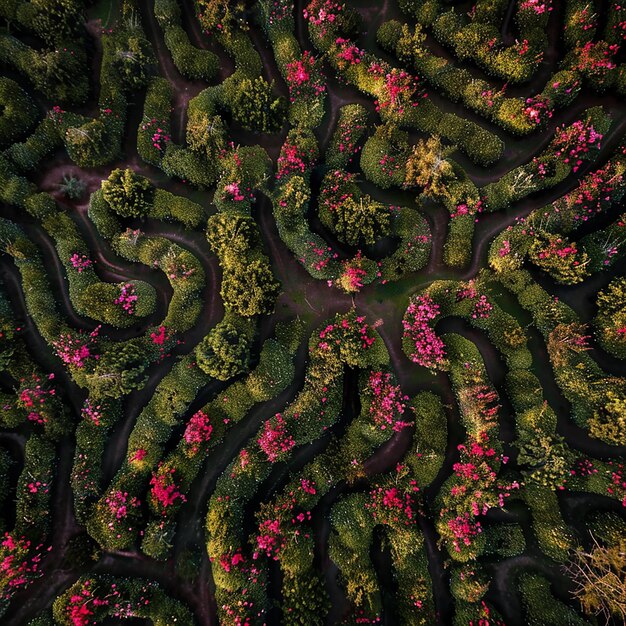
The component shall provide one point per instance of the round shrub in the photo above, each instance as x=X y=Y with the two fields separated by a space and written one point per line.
x=128 y=193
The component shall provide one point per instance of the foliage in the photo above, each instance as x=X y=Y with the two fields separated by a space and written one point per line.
x=223 y=353
x=250 y=290
x=128 y=193
x=255 y=106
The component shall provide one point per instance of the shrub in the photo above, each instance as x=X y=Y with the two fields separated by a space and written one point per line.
x=128 y=193
x=72 y=188
x=155 y=124
x=191 y=62
x=255 y=106
x=169 y=207
x=610 y=321
x=18 y=111
x=353 y=218
x=223 y=353
x=250 y=289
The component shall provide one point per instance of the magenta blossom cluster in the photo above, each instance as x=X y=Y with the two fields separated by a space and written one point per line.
x=293 y=160
x=539 y=7
x=127 y=298
x=18 y=564
x=120 y=504
x=388 y=402
x=275 y=440
x=160 y=138
x=429 y=349
x=75 y=348
x=304 y=78
x=198 y=431
x=164 y=490
x=482 y=308
x=80 y=262
x=573 y=142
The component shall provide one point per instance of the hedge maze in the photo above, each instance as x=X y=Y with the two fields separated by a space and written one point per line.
x=312 y=313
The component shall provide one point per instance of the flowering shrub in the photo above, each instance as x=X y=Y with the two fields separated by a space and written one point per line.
x=76 y=348
x=275 y=441
x=80 y=262
x=304 y=78
x=164 y=491
x=348 y=336
x=394 y=505
x=37 y=399
x=232 y=190
x=538 y=7
x=559 y=257
x=537 y=110
x=617 y=488
x=270 y=539
x=120 y=504
x=347 y=53
x=323 y=13
x=294 y=159
x=398 y=92
x=595 y=61
x=198 y=431
x=427 y=348
x=574 y=142
x=482 y=308
x=473 y=489
x=387 y=403
x=19 y=564
x=127 y=298
x=351 y=279
x=91 y=413
x=355 y=273
x=351 y=216
x=79 y=608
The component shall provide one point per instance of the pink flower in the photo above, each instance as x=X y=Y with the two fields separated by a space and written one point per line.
x=275 y=440
x=429 y=349
x=127 y=298
x=198 y=431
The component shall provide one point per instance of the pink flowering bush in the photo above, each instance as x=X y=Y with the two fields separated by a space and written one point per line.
x=127 y=298
x=75 y=348
x=81 y=602
x=387 y=402
x=270 y=539
x=482 y=308
x=426 y=348
x=473 y=489
x=347 y=53
x=356 y=273
x=573 y=143
x=537 y=110
x=164 y=492
x=197 y=431
x=37 y=399
x=394 y=505
x=595 y=60
x=80 y=262
x=323 y=14
x=159 y=137
x=538 y=7
x=19 y=564
x=91 y=412
x=345 y=340
x=397 y=93
x=121 y=504
x=296 y=156
x=304 y=78
x=275 y=441
x=233 y=192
